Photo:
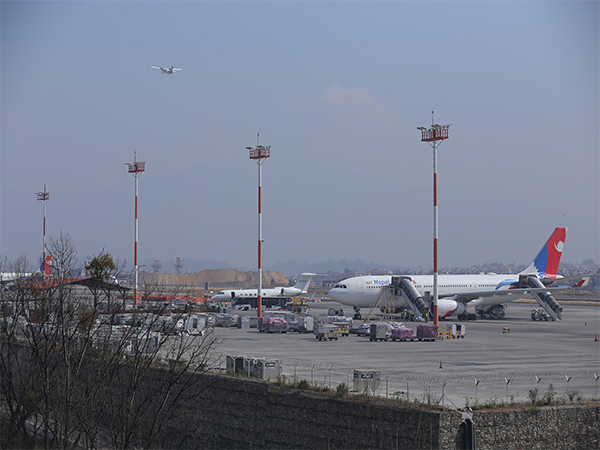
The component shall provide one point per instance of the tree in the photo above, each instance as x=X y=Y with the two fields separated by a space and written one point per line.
x=101 y=267
x=74 y=375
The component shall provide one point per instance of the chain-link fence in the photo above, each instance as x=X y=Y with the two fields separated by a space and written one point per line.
x=458 y=390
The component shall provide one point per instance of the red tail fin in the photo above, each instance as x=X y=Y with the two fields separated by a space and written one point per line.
x=47 y=265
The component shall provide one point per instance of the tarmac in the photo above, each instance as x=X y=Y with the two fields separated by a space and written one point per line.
x=491 y=365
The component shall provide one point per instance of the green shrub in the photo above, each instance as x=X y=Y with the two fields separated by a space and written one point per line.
x=533 y=395
x=342 y=388
x=550 y=395
x=304 y=384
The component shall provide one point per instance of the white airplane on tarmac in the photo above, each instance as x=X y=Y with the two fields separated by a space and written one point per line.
x=301 y=287
x=455 y=292
x=167 y=70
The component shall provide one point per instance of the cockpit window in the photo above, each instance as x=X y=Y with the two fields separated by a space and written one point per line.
x=340 y=286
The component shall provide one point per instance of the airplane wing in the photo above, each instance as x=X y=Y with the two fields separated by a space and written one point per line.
x=469 y=296
x=154 y=67
x=175 y=70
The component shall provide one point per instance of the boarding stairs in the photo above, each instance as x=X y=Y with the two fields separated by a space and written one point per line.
x=403 y=286
x=545 y=299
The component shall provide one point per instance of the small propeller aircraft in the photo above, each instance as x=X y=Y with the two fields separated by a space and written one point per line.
x=167 y=70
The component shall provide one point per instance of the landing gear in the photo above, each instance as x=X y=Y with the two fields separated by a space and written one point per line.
x=357 y=315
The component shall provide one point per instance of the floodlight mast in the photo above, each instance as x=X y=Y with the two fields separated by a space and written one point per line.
x=259 y=154
x=432 y=135
x=43 y=196
x=136 y=168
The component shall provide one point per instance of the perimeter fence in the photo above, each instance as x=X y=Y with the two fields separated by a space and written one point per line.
x=457 y=389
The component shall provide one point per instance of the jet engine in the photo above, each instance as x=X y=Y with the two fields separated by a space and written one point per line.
x=447 y=308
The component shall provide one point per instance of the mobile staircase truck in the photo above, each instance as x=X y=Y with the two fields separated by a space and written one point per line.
x=544 y=298
x=403 y=287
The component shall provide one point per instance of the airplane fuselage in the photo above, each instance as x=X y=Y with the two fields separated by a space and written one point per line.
x=232 y=294
x=362 y=292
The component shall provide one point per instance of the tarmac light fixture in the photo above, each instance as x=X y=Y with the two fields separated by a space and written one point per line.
x=436 y=133
x=43 y=196
x=259 y=154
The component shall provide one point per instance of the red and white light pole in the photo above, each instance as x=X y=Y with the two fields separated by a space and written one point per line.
x=44 y=197
x=259 y=153
x=432 y=135
x=136 y=168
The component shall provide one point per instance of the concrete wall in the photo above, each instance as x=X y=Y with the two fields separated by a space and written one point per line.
x=241 y=413
x=550 y=427
x=247 y=414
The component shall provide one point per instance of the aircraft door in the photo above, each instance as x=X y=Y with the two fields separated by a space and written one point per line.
x=360 y=287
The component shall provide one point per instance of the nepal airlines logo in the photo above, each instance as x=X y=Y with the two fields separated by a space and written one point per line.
x=559 y=246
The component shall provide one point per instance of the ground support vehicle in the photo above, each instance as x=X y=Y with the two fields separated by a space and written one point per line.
x=539 y=314
x=362 y=330
x=343 y=328
x=494 y=312
x=325 y=332
x=457 y=330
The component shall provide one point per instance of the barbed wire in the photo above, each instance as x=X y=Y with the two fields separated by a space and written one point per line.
x=458 y=378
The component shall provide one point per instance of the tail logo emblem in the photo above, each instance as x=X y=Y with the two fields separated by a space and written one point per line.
x=559 y=246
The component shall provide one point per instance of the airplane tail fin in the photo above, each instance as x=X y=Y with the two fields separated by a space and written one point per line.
x=545 y=264
x=46 y=266
x=304 y=281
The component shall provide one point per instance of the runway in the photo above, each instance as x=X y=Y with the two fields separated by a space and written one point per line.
x=487 y=366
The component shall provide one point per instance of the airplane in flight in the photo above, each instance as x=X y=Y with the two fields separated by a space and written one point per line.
x=8 y=277
x=488 y=292
x=301 y=287
x=167 y=70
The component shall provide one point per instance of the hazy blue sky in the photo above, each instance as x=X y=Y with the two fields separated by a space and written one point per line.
x=338 y=89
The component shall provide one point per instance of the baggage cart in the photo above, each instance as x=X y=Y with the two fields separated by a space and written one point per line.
x=324 y=332
x=343 y=328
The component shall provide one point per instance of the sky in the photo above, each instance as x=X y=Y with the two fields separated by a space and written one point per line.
x=338 y=89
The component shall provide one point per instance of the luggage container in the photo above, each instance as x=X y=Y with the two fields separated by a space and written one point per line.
x=272 y=325
x=379 y=332
x=243 y=322
x=306 y=324
x=427 y=332
x=402 y=334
